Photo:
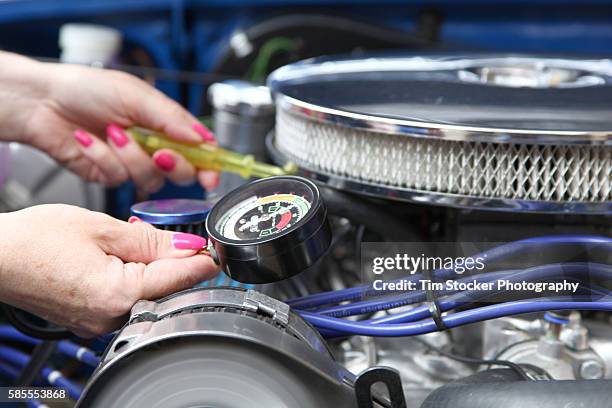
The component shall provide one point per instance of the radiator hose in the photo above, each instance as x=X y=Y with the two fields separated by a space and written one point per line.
x=501 y=388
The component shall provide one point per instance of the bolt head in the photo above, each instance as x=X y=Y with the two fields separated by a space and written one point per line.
x=591 y=370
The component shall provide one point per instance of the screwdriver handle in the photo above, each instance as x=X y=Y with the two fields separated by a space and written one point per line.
x=207 y=156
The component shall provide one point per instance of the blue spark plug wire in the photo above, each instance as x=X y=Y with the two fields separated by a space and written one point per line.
x=492 y=255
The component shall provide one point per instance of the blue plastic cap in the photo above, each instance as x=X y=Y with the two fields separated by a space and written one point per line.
x=172 y=211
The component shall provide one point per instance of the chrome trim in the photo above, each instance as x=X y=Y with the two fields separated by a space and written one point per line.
x=241 y=97
x=301 y=343
x=440 y=199
x=411 y=128
x=141 y=335
x=324 y=67
x=390 y=63
x=248 y=300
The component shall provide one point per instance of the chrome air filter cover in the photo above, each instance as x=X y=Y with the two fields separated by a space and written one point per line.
x=218 y=347
x=516 y=133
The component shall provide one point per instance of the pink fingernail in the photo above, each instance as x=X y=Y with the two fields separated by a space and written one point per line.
x=164 y=161
x=83 y=138
x=215 y=183
x=134 y=219
x=117 y=135
x=181 y=240
x=204 y=132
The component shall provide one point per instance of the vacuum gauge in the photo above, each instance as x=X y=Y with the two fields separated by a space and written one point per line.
x=269 y=230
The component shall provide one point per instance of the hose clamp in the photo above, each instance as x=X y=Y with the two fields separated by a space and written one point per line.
x=250 y=300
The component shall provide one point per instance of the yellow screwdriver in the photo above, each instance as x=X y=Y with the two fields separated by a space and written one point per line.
x=207 y=156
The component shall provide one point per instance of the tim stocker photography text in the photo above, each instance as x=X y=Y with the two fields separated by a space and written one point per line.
x=564 y=286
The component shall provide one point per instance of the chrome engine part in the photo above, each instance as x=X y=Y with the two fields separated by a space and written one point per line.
x=518 y=133
x=403 y=150
x=29 y=177
x=218 y=347
x=550 y=352
x=564 y=352
x=243 y=115
x=421 y=370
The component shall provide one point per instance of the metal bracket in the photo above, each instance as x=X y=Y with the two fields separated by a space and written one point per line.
x=246 y=300
x=389 y=377
x=268 y=306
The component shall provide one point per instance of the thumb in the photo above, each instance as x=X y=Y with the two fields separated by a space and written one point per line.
x=140 y=242
x=166 y=276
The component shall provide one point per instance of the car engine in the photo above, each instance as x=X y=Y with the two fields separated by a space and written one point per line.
x=414 y=208
x=394 y=153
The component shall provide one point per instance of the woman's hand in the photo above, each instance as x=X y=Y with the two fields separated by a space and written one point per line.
x=84 y=270
x=77 y=114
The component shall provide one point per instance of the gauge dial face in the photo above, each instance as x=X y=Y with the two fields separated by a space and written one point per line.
x=262 y=217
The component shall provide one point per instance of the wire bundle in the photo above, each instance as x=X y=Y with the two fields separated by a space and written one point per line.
x=324 y=310
x=12 y=361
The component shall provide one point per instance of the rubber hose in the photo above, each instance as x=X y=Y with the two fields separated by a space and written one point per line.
x=502 y=389
x=368 y=214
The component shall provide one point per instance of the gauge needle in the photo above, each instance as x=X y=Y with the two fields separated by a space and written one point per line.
x=255 y=220
x=281 y=211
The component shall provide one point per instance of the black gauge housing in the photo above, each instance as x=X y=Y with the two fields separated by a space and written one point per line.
x=277 y=256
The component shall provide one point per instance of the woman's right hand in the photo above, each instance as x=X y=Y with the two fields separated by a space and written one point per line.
x=84 y=270
x=77 y=114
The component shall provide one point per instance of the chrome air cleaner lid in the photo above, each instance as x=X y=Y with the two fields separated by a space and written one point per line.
x=501 y=132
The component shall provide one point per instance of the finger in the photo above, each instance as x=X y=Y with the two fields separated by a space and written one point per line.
x=99 y=153
x=204 y=133
x=139 y=242
x=174 y=166
x=140 y=167
x=166 y=276
x=96 y=327
x=159 y=112
x=209 y=179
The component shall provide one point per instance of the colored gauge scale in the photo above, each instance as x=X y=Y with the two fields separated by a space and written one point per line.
x=259 y=217
x=269 y=230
